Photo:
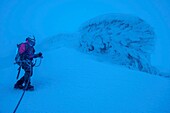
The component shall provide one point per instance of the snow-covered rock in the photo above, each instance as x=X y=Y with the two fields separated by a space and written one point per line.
x=125 y=39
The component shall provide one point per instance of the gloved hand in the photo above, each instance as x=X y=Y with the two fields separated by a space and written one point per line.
x=38 y=55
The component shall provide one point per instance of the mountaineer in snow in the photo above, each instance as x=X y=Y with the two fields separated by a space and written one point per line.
x=24 y=58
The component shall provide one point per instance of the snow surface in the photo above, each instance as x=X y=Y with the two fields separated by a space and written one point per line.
x=72 y=82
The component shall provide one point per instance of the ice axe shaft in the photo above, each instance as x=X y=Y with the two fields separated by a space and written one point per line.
x=19 y=69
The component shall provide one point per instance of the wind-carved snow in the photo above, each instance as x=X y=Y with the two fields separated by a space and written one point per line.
x=121 y=39
x=125 y=39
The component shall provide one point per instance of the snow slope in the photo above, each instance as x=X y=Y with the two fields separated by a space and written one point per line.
x=69 y=81
x=72 y=82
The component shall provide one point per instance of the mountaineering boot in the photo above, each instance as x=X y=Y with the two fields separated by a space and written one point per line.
x=29 y=87
x=18 y=86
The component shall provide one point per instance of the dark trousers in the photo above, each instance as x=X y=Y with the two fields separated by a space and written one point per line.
x=28 y=68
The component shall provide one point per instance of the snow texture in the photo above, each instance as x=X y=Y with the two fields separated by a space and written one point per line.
x=69 y=81
x=125 y=39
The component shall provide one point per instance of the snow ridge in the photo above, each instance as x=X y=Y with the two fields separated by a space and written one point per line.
x=58 y=41
x=117 y=38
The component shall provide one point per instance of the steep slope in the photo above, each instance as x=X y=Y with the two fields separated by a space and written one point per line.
x=71 y=82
